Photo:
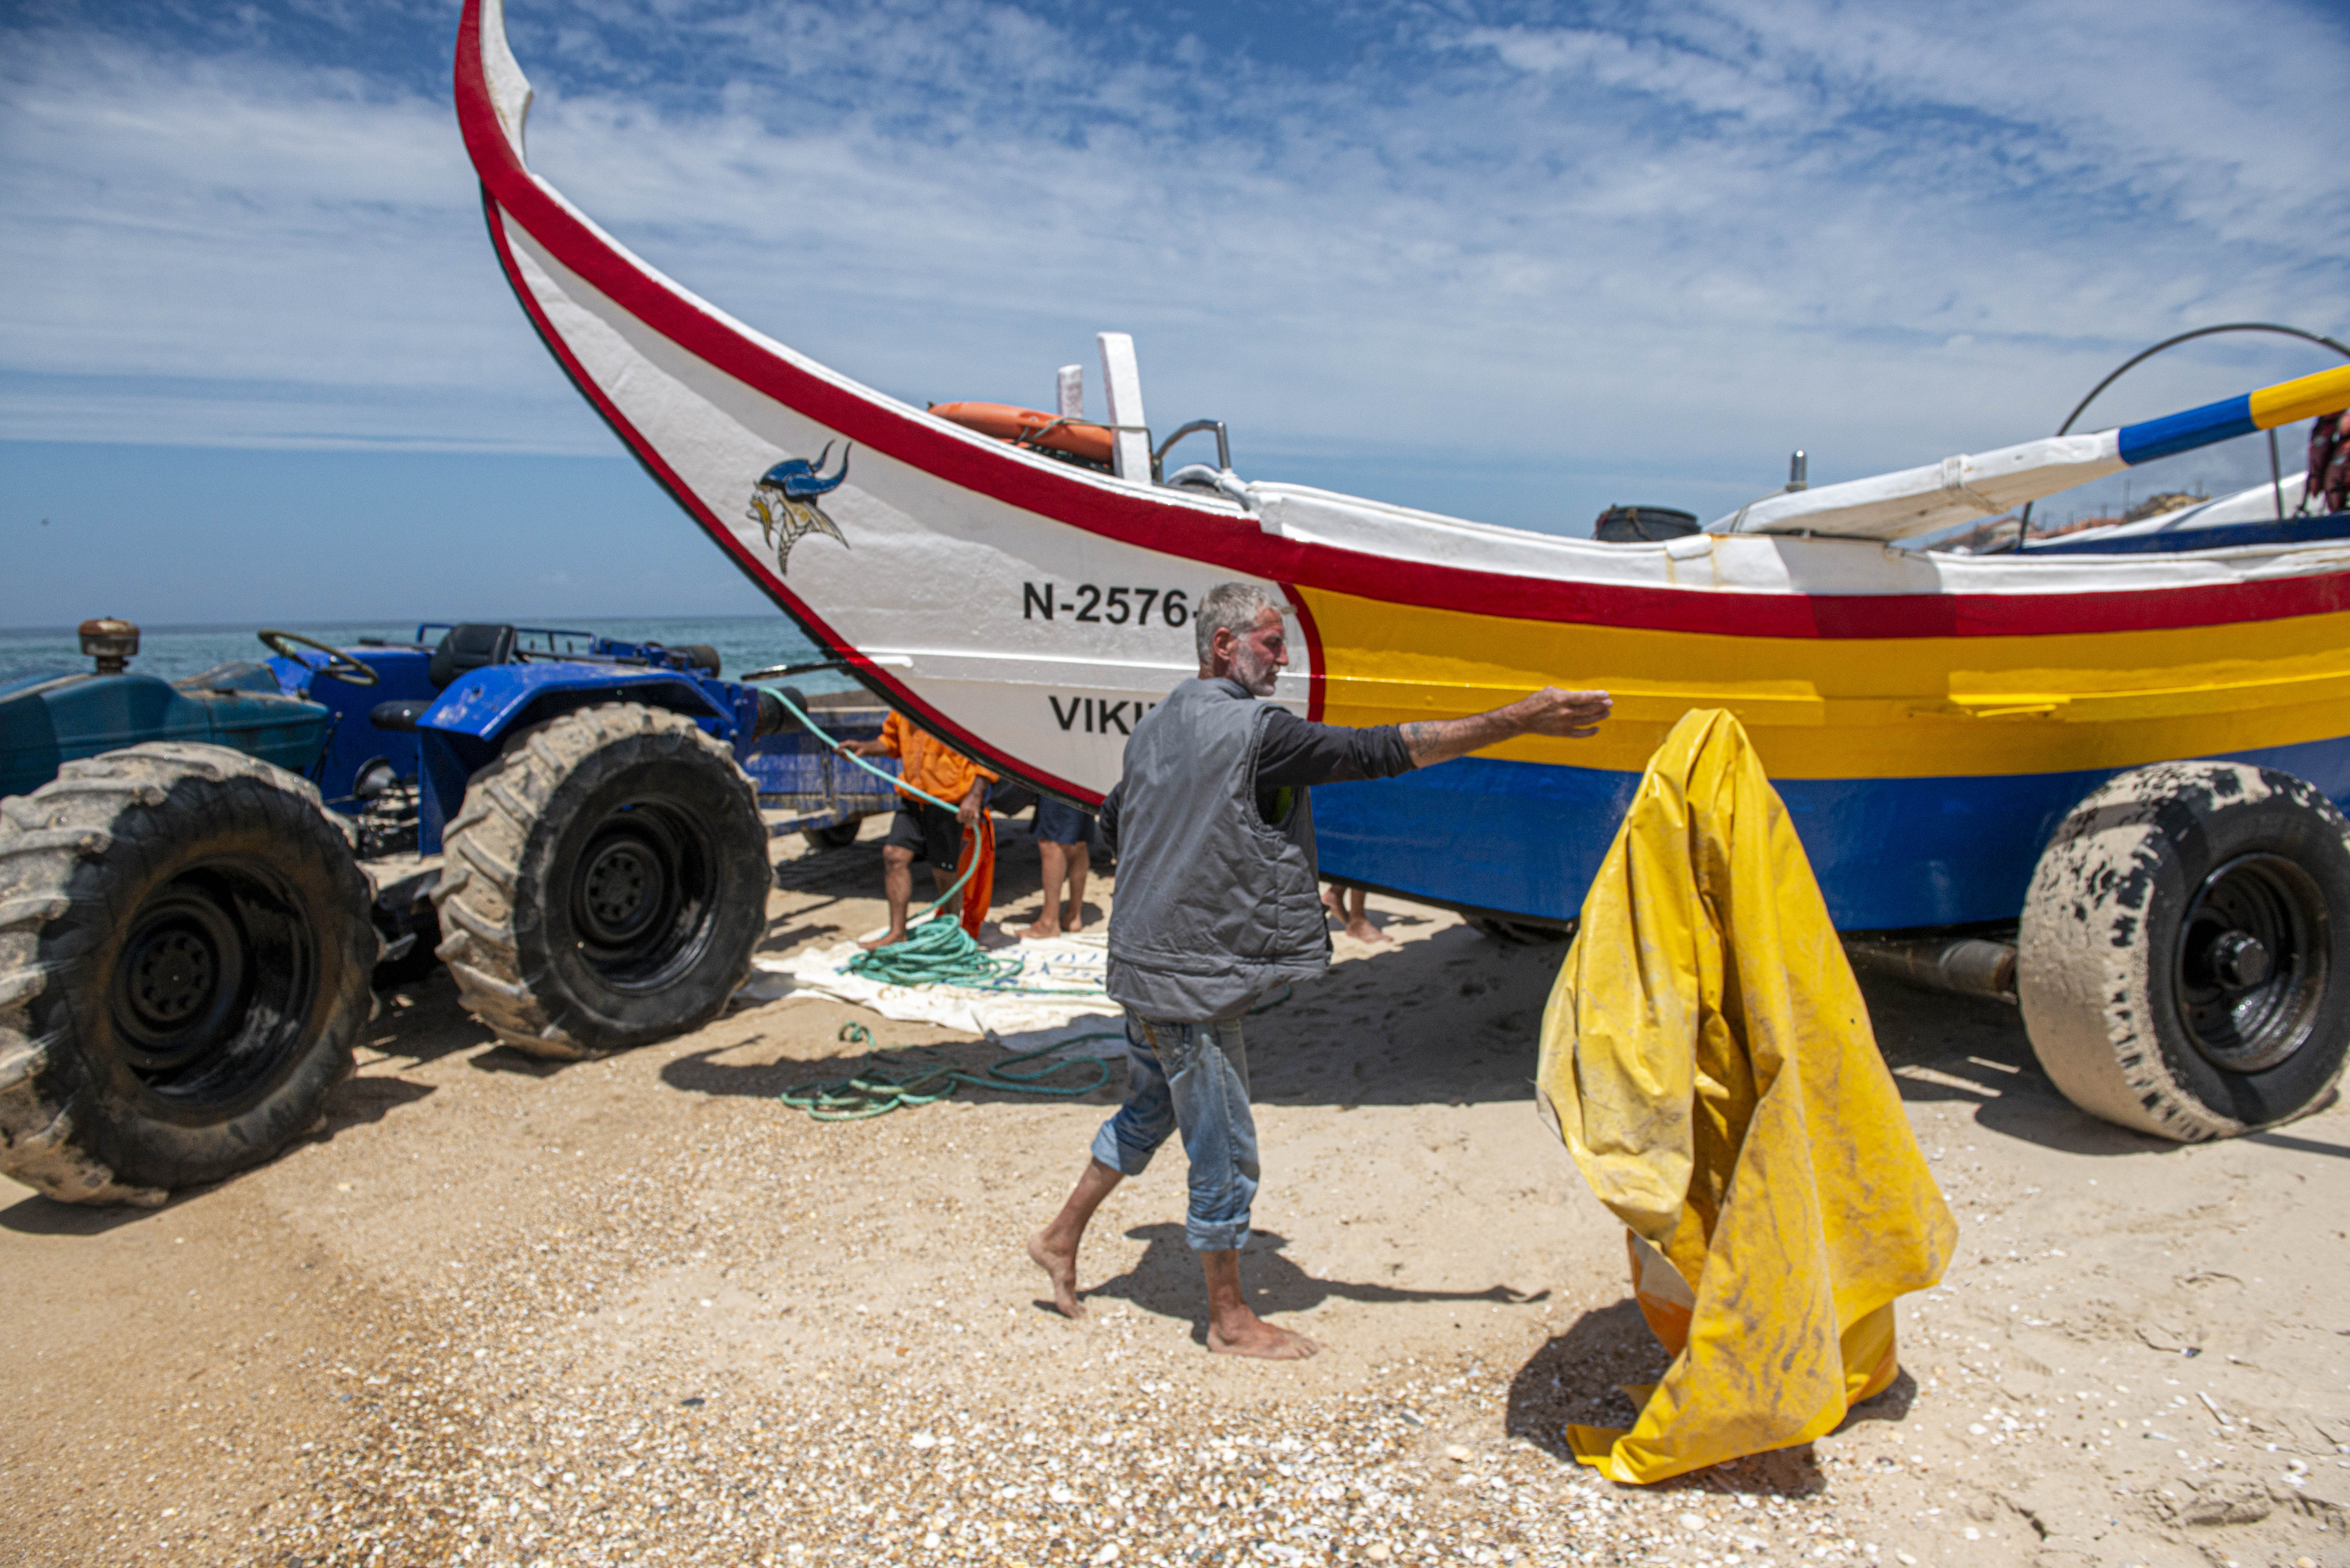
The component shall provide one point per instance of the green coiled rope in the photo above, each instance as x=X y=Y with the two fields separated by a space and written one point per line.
x=938 y=951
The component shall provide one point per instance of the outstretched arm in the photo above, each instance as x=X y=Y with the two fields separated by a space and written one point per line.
x=1549 y=711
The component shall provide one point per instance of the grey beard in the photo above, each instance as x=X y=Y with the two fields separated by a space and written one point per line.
x=1258 y=677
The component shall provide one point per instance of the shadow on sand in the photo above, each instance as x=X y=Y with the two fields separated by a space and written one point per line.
x=1165 y=1280
x=1577 y=1378
x=1974 y=1051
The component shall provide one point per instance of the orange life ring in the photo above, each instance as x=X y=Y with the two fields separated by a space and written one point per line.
x=1078 y=437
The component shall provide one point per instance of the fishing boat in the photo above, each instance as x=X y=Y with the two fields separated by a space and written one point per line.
x=1932 y=720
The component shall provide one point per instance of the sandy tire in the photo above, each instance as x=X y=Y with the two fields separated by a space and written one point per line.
x=605 y=884
x=185 y=950
x=2184 y=960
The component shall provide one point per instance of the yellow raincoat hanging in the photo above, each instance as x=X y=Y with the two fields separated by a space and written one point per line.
x=1707 y=1057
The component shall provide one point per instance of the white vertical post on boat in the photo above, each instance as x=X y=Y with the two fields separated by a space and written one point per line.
x=1122 y=381
x=1072 y=392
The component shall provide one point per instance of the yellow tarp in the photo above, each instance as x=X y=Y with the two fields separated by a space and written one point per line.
x=1707 y=1059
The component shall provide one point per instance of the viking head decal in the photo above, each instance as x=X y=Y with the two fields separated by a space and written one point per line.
x=783 y=503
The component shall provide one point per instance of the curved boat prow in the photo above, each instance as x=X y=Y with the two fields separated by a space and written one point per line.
x=499 y=72
x=909 y=571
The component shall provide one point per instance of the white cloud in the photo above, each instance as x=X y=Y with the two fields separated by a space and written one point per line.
x=243 y=253
x=1526 y=273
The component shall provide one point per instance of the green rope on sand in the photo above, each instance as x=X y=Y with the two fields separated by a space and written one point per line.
x=936 y=952
x=913 y=1075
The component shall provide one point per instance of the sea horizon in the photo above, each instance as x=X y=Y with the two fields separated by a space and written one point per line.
x=173 y=651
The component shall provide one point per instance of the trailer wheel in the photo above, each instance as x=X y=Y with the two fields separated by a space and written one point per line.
x=605 y=883
x=2184 y=961
x=185 y=950
x=836 y=836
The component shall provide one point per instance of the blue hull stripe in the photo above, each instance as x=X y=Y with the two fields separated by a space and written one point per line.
x=1527 y=837
x=2218 y=536
x=2212 y=423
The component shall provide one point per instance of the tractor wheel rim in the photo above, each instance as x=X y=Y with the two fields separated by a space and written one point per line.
x=181 y=972
x=214 y=989
x=2251 y=963
x=645 y=894
x=623 y=887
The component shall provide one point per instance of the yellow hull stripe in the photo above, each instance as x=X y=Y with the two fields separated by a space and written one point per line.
x=1856 y=707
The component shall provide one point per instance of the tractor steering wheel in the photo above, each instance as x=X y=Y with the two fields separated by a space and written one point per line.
x=339 y=665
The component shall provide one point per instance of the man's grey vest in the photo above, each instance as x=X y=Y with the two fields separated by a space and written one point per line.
x=1213 y=908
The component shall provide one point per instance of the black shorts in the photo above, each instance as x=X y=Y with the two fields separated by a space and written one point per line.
x=932 y=831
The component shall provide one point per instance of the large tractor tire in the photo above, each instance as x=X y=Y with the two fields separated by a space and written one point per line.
x=2184 y=962
x=184 y=950
x=605 y=883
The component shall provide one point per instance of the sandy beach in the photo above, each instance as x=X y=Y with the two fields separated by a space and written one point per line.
x=500 y=1311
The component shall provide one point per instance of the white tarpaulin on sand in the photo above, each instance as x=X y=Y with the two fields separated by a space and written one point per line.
x=1059 y=981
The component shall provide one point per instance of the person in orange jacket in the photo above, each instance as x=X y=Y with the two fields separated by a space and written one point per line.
x=922 y=831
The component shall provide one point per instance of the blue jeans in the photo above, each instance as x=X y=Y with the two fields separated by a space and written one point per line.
x=1193 y=1076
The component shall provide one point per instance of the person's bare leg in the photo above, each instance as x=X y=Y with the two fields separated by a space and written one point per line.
x=1358 y=920
x=1055 y=860
x=1232 y=1328
x=1055 y=1248
x=898 y=887
x=1072 y=913
x=1334 y=901
x=943 y=880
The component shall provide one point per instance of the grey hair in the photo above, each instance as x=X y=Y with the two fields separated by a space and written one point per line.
x=1229 y=606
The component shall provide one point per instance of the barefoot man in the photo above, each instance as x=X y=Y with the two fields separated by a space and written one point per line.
x=1351 y=906
x=922 y=831
x=1061 y=832
x=1216 y=907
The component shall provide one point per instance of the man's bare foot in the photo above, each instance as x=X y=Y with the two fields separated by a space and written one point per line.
x=886 y=940
x=1062 y=1269
x=1330 y=902
x=1362 y=930
x=1073 y=917
x=1262 y=1340
x=1044 y=930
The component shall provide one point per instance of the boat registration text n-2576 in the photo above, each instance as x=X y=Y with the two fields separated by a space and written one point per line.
x=1117 y=607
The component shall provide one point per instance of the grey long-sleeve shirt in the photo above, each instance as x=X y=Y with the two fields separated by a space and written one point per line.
x=1297 y=754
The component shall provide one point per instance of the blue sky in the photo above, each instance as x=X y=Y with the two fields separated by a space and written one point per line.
x=1510 y=261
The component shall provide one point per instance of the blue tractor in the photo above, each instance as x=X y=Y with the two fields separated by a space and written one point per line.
x=200 y=878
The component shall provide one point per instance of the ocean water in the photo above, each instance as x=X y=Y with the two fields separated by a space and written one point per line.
x=743 y=642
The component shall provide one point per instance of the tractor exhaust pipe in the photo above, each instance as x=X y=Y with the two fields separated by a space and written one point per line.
x=113 y=643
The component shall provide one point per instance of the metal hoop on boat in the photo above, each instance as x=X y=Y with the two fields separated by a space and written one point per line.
x=2023 y=522
x=1223 y=447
